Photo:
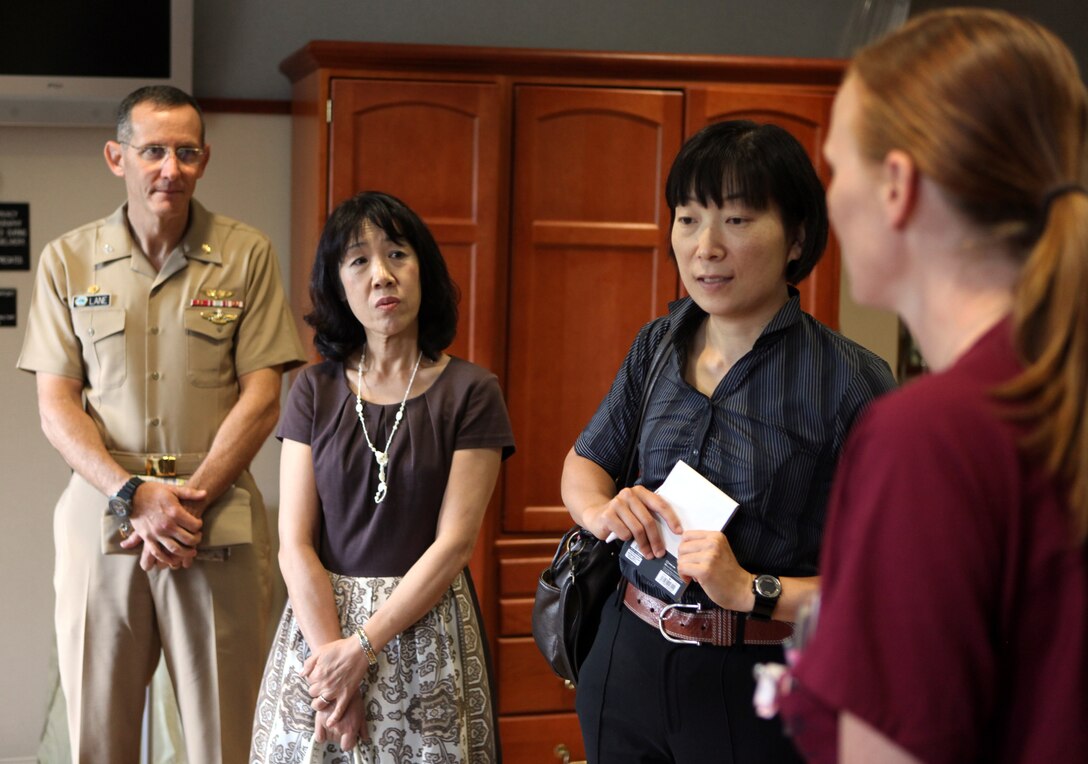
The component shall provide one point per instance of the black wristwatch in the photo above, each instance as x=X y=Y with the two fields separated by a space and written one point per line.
x=767 y=589
x=120 y=504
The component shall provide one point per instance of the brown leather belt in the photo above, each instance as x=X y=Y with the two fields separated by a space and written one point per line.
x=683 y=623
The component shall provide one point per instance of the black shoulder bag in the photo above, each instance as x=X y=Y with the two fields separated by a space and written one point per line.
x=572 y=590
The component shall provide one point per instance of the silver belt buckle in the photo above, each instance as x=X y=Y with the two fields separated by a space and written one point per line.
x=661 y=622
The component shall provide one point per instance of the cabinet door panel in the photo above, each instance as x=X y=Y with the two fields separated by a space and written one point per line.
x=589 y=266
x=436 y=146
x=806 y=116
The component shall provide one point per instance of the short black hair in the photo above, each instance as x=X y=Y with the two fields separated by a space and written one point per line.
x=756 y=164
x=161 y=96
x=337 y=330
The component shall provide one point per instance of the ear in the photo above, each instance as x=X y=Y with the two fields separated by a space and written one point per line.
x=114 y=153
x=798 y=245
x=899 y=190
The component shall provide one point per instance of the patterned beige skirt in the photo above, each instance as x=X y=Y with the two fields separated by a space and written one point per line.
x=429 y=699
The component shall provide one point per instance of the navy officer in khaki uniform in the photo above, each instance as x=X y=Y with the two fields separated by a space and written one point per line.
x=158 y=336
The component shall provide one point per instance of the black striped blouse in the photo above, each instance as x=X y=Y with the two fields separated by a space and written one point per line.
x=769 y=436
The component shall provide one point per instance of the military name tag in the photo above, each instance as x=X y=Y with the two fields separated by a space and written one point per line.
x=90 y=301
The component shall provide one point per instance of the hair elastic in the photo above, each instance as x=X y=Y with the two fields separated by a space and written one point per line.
x=1057 y=191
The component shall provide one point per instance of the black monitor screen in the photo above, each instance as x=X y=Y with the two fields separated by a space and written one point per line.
x=81 y=38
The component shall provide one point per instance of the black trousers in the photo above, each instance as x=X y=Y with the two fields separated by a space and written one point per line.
x=642 y=699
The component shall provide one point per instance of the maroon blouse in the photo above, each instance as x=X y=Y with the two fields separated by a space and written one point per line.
x=954 y=614
x=464 y=408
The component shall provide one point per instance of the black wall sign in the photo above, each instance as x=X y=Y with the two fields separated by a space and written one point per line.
x=7 y=306
x=14 y=236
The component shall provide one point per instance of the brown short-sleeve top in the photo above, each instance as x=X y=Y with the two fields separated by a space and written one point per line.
x=464 y=408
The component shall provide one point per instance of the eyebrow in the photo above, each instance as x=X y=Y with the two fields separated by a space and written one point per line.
x=732 y=198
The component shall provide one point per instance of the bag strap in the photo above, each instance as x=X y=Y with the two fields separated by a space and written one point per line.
x=630 y=461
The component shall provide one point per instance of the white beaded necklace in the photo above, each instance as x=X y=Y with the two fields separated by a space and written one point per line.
x=382 y=457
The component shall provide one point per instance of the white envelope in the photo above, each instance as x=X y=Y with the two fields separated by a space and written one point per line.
x=699 y=504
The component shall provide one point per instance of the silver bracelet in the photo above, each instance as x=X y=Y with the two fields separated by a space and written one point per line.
x=364 y=642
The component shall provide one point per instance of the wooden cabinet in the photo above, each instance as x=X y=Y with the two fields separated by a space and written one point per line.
x=541 y=174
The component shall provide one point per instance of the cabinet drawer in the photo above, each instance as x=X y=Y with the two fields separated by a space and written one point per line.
x=518 y=576
x=526 y=682
x=534 y=739
x=515 y=617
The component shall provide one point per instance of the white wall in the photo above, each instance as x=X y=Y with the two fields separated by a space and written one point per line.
x=61 y=173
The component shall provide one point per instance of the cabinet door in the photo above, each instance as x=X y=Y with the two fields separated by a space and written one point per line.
x=437 y=147
x=589 y=266
x=806 y=115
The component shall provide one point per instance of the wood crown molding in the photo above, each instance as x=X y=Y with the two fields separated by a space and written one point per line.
x=401 y=57
x=243 y=106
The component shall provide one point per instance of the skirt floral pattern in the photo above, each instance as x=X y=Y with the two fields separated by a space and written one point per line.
x=428 y=700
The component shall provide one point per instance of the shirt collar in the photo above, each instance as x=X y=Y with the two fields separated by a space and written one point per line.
x=687 y=316
x=199 y=243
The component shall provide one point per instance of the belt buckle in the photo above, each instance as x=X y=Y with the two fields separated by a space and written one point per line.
x=661 y=622
x=161 y=466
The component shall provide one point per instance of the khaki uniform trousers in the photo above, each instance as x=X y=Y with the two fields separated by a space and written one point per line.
x=113 y=620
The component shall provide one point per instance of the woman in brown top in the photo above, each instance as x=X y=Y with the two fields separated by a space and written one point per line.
x=391 y=450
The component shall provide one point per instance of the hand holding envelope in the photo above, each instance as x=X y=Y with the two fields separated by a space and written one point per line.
x=699 y=505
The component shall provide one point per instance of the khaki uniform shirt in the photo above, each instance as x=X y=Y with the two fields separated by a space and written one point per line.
x=160 y=353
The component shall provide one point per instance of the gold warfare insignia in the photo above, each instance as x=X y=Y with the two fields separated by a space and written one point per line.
x=218 y=317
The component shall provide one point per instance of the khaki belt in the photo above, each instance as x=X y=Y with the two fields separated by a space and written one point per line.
x=683 y=623
x=158 y=465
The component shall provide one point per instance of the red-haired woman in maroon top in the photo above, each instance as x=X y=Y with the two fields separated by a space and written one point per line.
x=953 y=620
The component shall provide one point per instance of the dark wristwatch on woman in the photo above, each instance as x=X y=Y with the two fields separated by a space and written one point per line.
x=767 y=589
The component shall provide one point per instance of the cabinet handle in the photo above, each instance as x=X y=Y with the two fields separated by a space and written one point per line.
x=563 y=754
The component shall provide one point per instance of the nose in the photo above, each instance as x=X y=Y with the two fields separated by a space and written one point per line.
x=711 y=243
x=170 y=166
x=380 y=272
